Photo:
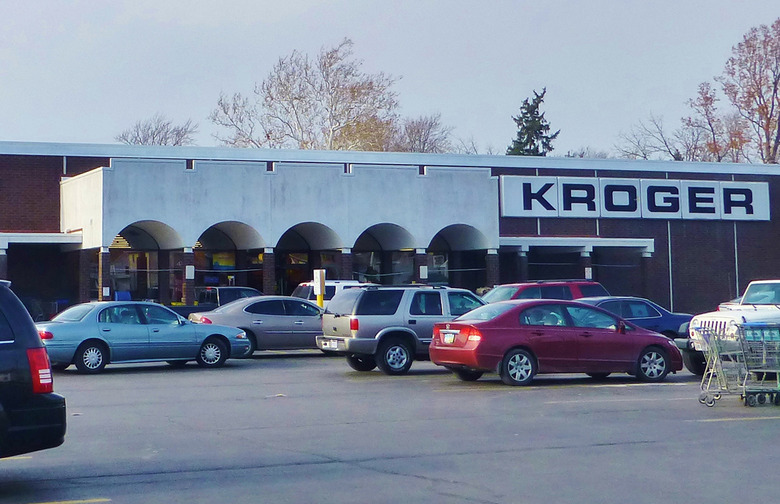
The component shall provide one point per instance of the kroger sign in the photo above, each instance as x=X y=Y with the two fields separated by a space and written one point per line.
x=633 y=198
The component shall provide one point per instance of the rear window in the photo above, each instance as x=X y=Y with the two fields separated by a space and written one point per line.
x=73 y=314
x=343 y=303
x=593 y=290
x=500 y=293
x=555 y=292
x=379 y=302
x=303 y=291
x=486 y=312
x=6 y=332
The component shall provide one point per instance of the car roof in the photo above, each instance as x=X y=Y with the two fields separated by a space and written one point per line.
x=599 y=299
x=548 y=282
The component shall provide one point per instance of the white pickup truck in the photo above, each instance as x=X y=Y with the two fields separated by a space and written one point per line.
x=760 y=303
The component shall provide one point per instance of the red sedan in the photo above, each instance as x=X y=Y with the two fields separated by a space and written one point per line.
x=520 y=338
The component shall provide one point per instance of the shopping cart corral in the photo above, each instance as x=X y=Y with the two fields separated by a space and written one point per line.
x=741 y=358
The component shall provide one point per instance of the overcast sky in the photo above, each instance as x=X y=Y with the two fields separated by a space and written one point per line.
x=84 y=70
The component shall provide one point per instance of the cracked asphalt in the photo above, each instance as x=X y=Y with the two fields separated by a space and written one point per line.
x=301 y=427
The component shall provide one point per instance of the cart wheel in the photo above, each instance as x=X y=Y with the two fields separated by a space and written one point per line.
x=703 y=397
x=761 y=398
x=716 y=396
x=751 y=400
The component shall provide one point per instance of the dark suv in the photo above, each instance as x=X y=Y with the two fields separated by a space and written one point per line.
x=546 y=289
x=389 y=326
x=32 y=416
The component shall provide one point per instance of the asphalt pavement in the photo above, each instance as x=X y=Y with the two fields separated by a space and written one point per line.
x=302 y=427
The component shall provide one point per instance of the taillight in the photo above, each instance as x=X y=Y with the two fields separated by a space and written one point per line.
x=436 y=332
x=354 y=325
x=205 y=320
x=473 y=334
x=40 y=370
x=45 y=334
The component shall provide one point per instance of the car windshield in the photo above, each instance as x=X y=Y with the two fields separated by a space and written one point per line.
x=767 y=293
x=486 y=312
x=500 y=293
x=73 y=314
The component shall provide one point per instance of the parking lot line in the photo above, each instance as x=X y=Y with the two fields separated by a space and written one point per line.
x=84 y=501
x=633 y=400
x=19 y=457
x=735 y=419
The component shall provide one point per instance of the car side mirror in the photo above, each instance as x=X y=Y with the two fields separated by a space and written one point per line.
x=621 y=327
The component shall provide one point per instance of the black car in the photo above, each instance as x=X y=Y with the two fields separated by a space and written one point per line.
x=32 y=416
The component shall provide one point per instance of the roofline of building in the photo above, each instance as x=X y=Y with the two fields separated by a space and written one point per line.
x=375 y=158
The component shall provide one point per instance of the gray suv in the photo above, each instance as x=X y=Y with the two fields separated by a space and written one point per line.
x=388 y=327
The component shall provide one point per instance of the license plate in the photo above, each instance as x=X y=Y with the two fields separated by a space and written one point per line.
x=330 y=344
x=449 y=338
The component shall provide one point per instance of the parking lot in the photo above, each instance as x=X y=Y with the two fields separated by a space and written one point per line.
x=303 y=427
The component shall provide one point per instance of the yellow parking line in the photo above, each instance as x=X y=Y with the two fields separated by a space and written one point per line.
x=25 y=457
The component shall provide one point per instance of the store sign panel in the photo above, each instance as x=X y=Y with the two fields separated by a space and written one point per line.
x=633 y=198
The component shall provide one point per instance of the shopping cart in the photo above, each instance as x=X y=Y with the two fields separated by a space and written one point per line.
x=725 y=370
x=761 y=350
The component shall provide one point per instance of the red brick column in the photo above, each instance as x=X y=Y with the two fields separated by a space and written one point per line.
x=104 y=275
x=420 y=259
x=85 y=270
x=188 y=284
x=492 y=273
x=346 y=264
x=269 y=271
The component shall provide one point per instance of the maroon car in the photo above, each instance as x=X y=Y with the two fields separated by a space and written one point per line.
x=520 y=338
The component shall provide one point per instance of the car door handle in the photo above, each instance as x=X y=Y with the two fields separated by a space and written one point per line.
x=298 y=322
x=587 y=335
x=257 y=322
x=106 y=329
x=156 y=329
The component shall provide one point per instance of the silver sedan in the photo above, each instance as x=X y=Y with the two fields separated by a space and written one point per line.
x=270 y=322
x=91 y=335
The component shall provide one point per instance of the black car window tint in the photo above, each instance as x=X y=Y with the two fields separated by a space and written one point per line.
x=379 y=302
x=330 y=290
x=530 y=293
x=426 y=303
x=6 y=331
x=612 y=306
x=157 y=315
x=587 y=317
x=639 y=309
x=300 y=309
x=461 y=303
x=555 y=292
x=272 y=307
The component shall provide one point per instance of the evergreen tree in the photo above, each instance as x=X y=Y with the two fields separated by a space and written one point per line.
x=533 y=138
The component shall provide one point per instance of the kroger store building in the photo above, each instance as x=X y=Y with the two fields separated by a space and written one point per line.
x=81 y=222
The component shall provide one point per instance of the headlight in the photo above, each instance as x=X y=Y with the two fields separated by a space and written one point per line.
x=241 y=335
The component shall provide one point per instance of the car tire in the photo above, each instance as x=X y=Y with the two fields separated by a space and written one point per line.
x=694 y=362
x=653 y=365
x=518 y=367
x=468 y=374
x=394 y=356
x=361 y=362
x=252 y=342
x=91 y=357
x=212 y=353
x=598 y=376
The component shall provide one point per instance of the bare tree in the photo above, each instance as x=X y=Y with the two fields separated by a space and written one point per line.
x=328 y=103
x=587 y=152
x=647 y=140
x=423 y=134
x=159 y=130
x=751 y=81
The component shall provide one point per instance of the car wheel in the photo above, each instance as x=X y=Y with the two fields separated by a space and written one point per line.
x=212 y=353
x=252 y=342
x=694 y=362
x=518 y=367
x=394 y=357
x=361 y=362
x=91 y=357
x=653 y=365
x=598 y=376
x=468 y=374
